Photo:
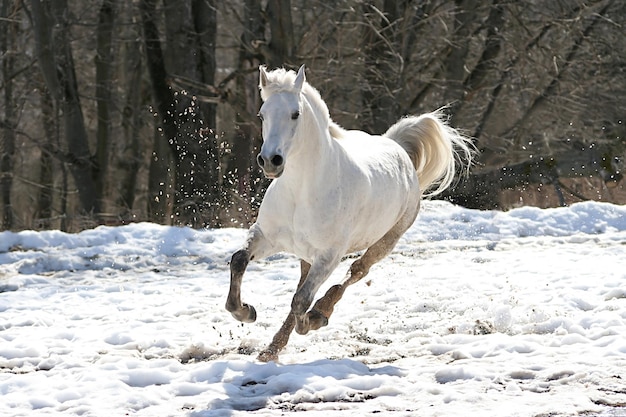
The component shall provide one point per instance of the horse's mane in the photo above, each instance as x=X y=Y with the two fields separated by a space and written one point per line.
x=282 y=80
x=336 y=131
x=278 y=81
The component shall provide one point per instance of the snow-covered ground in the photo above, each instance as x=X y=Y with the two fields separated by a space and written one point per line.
x=475 y=313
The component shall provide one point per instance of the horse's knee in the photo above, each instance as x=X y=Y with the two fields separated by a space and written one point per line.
x=300 y=303
x=361 y=266
x=239 y=260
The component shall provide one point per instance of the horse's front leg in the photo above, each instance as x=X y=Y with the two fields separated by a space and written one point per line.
x=256 y=247
x=321 y=268
x=241 y=311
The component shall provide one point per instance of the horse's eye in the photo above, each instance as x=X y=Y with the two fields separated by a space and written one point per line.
x=260 y=116
x=295 y=115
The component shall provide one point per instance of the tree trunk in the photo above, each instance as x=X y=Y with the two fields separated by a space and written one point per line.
x=486 y=65
x=384 y=62
x=242 y=167
x=104 y=87
x=164 y=105
x=7 y=146
x=130 y=154
x=282 y=43
x=204 y=14
x=55 y=60
x=455 y=69
x=50 y=118
x=161 y=180
x=180 y=115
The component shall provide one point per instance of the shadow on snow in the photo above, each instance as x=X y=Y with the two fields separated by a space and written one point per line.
x=247 y=386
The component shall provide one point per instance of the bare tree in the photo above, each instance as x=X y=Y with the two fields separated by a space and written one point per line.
x=45 y=196
x=253 y=50
x=246 y=101
x=51 y=27
x=169 y=109
x=531 y=156
x=508 y=85
x=184 y=124
x=104 y=88
x=129 y=152
x=388 y=42
x=281 y=46
x=7 y=146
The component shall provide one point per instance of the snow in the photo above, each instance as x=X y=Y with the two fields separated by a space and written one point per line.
x=485 y=313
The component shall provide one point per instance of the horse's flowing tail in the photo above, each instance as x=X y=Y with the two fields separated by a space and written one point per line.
x=435 y=148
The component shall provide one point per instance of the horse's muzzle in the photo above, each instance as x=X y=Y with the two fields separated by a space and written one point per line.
x=272 y=166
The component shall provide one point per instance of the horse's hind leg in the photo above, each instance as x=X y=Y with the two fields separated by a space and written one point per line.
x=324 y=307
x=282 y=336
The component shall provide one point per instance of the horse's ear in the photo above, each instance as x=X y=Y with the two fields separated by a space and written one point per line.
x=300 y=78
x=262 y=76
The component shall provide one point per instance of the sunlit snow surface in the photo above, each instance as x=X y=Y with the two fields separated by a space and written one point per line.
x=474 y=313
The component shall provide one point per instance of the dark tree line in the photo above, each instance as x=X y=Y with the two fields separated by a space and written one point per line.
x=145 y=110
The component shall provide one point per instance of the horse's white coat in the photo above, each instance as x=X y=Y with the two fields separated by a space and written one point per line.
x=335 y=195
x=334 y=192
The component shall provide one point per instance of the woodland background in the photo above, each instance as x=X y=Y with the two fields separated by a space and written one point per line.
x=118 y=111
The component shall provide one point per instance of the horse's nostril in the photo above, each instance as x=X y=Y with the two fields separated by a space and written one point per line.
x=259 y=160
x=277 y=160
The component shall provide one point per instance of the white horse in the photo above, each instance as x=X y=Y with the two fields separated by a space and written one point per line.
x=334 y=192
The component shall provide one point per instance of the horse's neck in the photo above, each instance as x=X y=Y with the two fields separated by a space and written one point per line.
x=316 y=155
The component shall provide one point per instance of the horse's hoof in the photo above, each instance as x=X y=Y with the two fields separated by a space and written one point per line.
x=251 y=314
x=316 y=319
x=247 y=314
x=302 y=325
x=267 y=356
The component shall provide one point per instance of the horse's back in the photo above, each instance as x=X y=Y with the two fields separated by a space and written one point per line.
x=379 y=157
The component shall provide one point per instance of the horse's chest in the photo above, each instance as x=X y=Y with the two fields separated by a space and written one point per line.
x=306 y=234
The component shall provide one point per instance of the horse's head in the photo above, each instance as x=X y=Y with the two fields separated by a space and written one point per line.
x=280 y=114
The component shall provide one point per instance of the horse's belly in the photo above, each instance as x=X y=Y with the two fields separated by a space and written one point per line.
x=309 y=242
x=364 y=225
x=365 y=235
